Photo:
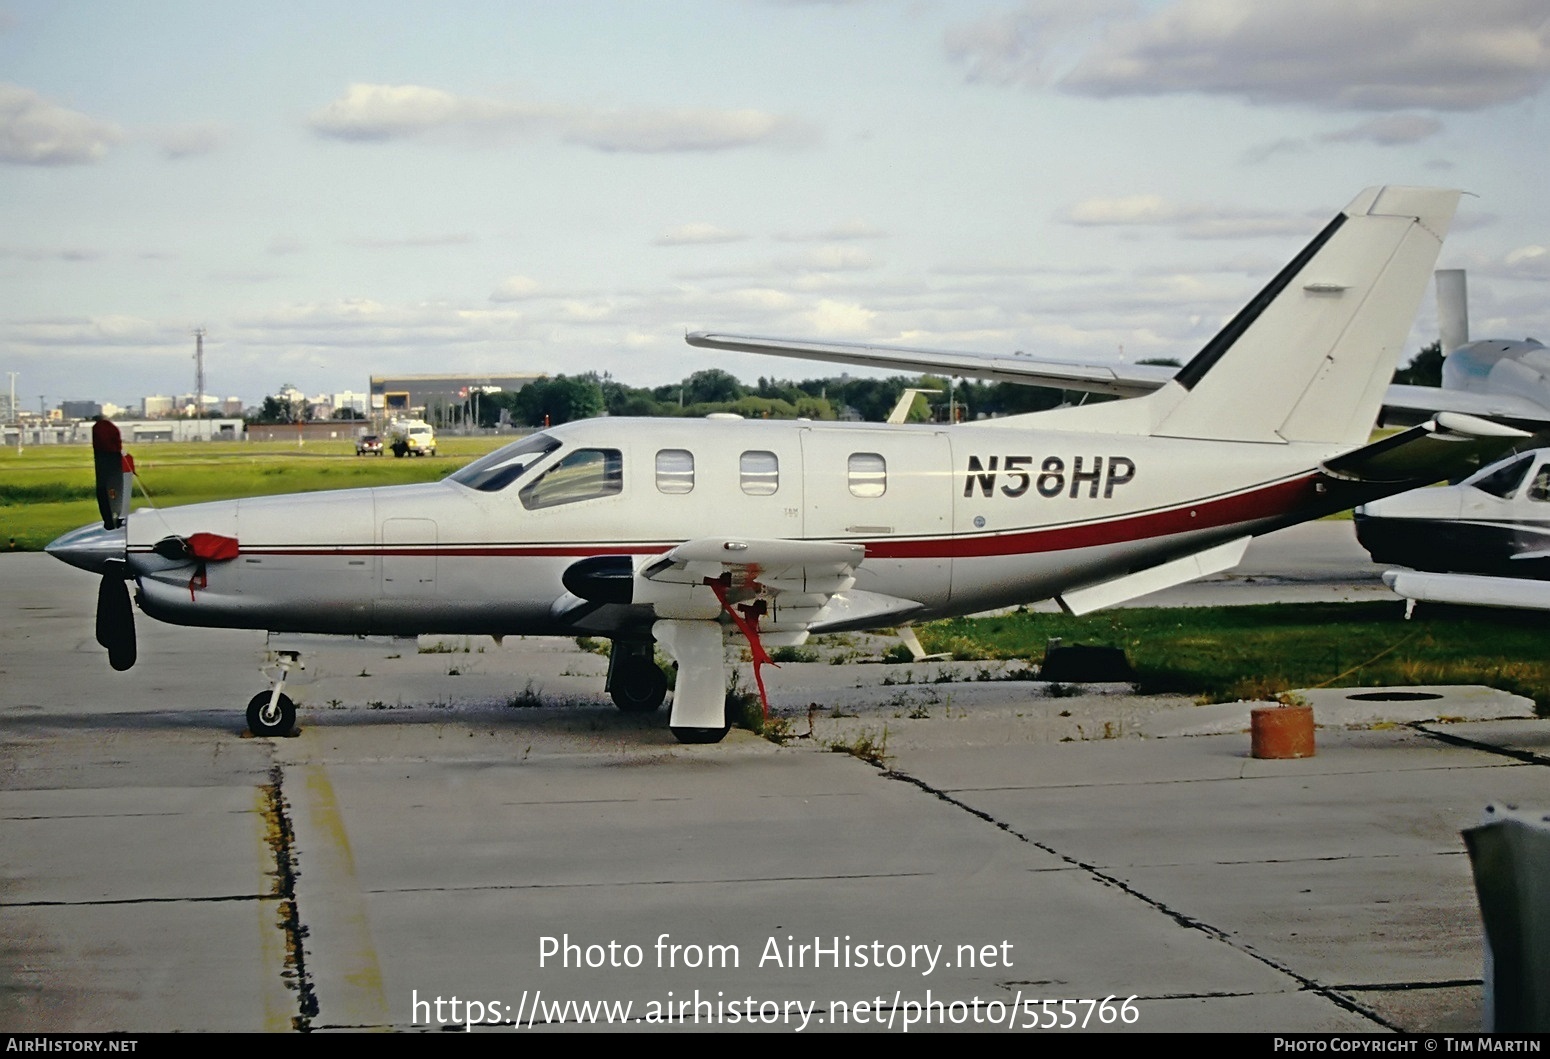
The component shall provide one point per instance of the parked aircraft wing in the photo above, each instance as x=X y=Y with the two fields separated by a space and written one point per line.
x=1474 y=590
x=1428 y=400
x=1123 y=380
x=1445 y=446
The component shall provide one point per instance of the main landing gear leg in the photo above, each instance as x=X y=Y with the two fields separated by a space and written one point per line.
x=272 y=713
x=700 y=696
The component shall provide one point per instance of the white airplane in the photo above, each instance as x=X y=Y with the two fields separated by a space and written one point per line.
x=1483 y=542
x=686 y=532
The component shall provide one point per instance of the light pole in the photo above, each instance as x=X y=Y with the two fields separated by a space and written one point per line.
x=14 y=417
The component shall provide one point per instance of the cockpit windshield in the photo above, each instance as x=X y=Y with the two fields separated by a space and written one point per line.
x=494 y=472
x=1505 y=481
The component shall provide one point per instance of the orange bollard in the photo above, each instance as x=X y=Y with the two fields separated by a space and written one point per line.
x=1281 y=731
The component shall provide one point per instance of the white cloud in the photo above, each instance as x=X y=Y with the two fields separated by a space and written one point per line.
x=34 y=131
x=839 y=318
x=1372 y=55
x=376 y=112
x=842 y=232
x=1132 y=209
x=517 y=288
x=390 y=112
x=697 y=233
x=1013 y=47
x=1528 y=262
x=830 y=259
x=657 y=131
x=1189 y=221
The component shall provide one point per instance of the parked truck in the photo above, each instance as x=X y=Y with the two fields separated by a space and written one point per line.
x=411 y=437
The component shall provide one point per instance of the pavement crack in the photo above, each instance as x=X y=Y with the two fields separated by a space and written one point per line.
x=90 y=902
x=282 y=843
x=1527 y=757
x=1184 y=919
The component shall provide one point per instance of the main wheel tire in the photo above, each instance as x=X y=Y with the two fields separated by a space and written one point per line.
x=280 y=726
x=701 y=735
x=638 y=686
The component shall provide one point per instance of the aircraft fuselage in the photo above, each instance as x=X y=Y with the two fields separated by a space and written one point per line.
x=953 y=519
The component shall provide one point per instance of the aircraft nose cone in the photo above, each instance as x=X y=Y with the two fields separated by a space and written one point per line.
x=91 y=547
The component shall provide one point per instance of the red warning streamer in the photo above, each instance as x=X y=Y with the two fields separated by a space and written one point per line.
x=746 y=618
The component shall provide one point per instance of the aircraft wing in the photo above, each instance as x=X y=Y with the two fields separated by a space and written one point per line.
x=1473 y=590
x=1426 y=400
x=783 y=588
x=1122 y=380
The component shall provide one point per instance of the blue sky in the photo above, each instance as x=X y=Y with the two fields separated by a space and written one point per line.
x=335 y=190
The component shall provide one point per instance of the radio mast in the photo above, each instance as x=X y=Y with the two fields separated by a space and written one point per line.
x=199 y=372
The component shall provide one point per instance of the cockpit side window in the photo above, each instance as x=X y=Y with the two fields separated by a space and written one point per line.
x=1505 y=482
x=1539 y=489
x=585 y=474
x=675 y=471
x=492 y=473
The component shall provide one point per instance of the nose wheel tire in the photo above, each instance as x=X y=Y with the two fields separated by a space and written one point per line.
x=267 y=723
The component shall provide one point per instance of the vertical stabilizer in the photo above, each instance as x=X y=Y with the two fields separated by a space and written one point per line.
x=1309 y=357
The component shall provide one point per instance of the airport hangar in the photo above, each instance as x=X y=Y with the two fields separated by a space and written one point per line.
x=438 y=398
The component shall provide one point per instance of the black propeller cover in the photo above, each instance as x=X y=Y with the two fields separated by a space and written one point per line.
x=116 y=621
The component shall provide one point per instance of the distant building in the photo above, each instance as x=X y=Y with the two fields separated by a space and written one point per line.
x=79 y=409
x=360 y=402
x=436 y=398
x=36 y=431
x=157 y=406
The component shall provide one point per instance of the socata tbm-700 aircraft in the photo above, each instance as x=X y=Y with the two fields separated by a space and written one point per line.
x=683 y=532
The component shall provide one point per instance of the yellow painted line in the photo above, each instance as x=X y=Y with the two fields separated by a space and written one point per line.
x=356 y=998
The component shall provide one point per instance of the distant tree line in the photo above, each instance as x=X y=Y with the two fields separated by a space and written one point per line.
x=560 y=399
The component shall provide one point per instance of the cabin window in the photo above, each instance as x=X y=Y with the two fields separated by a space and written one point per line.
x=868 y=474
x=583 y=475
x=1505 y=482
x=675 y=471
x=759 y=472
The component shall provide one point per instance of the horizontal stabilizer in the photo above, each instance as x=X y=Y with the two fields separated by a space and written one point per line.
x=1445 y=446
x=1154 y=578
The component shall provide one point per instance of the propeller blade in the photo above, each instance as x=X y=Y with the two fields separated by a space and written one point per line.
x=116 y=621
x=112 y=481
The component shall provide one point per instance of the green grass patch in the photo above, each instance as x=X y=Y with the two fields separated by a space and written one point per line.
x=1222 y=654
x=49 y=489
